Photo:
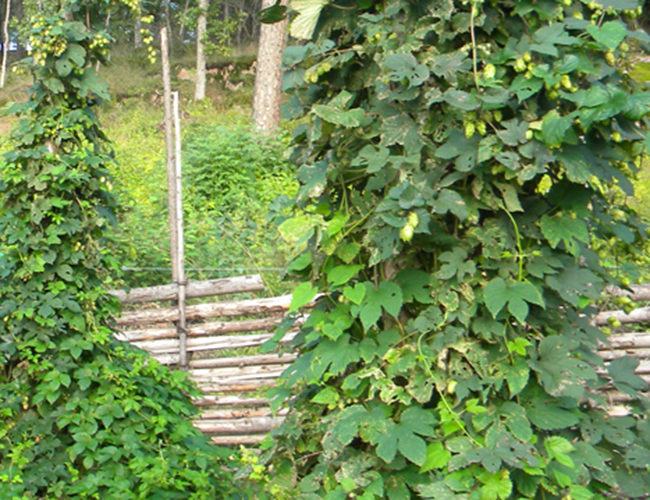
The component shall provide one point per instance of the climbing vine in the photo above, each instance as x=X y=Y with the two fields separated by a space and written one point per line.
x=82 y=415
x=457 y=167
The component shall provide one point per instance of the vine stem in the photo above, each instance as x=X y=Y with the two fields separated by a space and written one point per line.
x=454 y=415
x=473 y=35
x=520 y=250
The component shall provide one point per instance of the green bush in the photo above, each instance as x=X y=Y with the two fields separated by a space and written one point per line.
x=230 y=178
x=82 y=416
x=461 y=162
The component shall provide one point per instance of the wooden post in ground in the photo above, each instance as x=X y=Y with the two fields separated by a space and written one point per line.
x=174 y=198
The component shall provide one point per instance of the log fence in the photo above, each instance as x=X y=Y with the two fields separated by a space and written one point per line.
x=223 y=337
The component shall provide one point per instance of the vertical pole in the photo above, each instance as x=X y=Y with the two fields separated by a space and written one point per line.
x=182 y=282
x=171 y=164
x=173 y=197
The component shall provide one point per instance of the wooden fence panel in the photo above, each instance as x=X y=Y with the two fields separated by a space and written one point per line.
x=234 y=377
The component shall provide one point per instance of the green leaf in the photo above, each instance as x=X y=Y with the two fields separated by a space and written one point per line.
x=610 y=34
x=309 y=11
x=456 y=264
x=405 y=65
x=387 y=444
x=342 y=274
x=555 y=128
x=415 y=285
x=517 y=296
x=272 y=14
x=461 y=100
x=622 y=371
x=563 y=227
x=303 y=294
x=411 y=446
x=388 y=296
x=495 y=486
x=356 y=294
x=450 y=201
x=338 y=116
x=514 y=132
x=549 y=417
x=437 y=457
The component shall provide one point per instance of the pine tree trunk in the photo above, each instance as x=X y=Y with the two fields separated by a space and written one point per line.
x=199 y=91
x=268 y=77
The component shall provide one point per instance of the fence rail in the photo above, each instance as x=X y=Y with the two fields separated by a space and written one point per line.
x=225 y=365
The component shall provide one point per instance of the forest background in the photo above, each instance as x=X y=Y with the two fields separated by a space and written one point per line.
x=231 y=177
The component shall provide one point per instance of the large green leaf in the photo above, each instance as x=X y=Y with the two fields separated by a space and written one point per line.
x=610 y=34
x=516 y=295
x=346 y=118
x=303 y=25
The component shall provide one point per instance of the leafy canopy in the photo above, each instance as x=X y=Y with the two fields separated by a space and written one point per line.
x=83 y=416
x=458 y=160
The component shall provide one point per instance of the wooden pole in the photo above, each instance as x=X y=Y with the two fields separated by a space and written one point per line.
x=169 y=143
x=180 y=254
x=6 y=42
x=174 y=197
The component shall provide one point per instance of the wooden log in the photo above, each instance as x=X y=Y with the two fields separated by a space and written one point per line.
x=170 y=346
x=237 y=440
x=212 y=310
x=628 y=341
x=202 y=330
x=239 y=413
x=610 y=354
x=263 y=359
x=238 y=426
x=641 y=315
x=195 y=289
x=215 y=400
x=238 y=373
x=226 y=386
x=637 y=293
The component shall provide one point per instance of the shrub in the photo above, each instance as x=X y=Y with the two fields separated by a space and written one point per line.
x=82 y=415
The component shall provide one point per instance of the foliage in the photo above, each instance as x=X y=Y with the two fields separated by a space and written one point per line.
x=457 y=172
x=83 y=415
x=231 y=176
x=220 y=29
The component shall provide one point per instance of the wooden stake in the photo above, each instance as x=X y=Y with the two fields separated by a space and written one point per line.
x=180 y=252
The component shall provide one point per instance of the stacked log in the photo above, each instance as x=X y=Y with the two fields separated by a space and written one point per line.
x=233 y=407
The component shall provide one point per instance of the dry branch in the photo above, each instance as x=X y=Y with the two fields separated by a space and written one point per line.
x=641 y=315
x=239 y=426
x=610 y=354
x=238 y=373
x=628 y=341
x=637 y=293
x=202 y=330
x=212 y=310
x=170 y=346
x=239 y=413
x=264 y=359
x=214 y=400
x=237 y=440
x=195 y=289
x=233 y=386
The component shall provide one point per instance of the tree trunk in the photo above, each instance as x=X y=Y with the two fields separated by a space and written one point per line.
x=181 y=28
x=5 y=43
x=268 y=76
x=137 y=33
x=199 y=91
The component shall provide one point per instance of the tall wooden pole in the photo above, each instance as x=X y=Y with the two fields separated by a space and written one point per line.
x=174 y=199
x=182 y=282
